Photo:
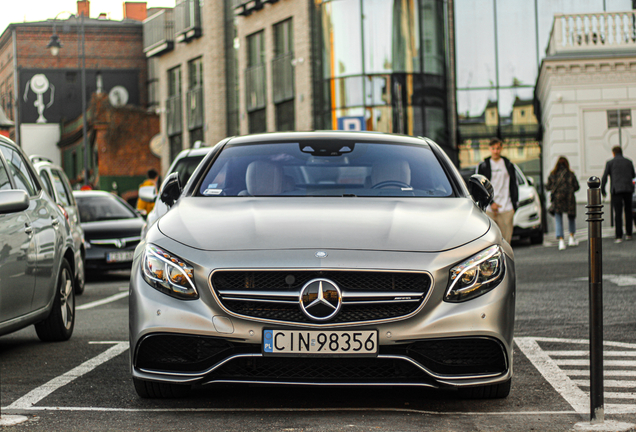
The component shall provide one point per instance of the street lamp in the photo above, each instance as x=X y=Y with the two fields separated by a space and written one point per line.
x=54 y=46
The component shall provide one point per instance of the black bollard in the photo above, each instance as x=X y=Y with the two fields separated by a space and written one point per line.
x=595 y=257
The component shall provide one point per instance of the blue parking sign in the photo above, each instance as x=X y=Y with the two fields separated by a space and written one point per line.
x=351 y=124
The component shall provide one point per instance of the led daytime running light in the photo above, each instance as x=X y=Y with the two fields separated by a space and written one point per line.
x=477 y=275
x=168 y=273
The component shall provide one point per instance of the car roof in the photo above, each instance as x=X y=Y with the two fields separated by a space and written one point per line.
x=359 y=136
x=92 y=193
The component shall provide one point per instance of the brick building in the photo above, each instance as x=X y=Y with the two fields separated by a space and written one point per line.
x=40 y=91
x=119 y=139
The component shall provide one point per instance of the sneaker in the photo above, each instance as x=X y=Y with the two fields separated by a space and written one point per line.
x=628 y=238
x=561 y=244
x=572 y=241
x=618 y=240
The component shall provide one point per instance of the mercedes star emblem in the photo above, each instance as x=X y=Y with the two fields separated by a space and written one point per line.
x=320 y=299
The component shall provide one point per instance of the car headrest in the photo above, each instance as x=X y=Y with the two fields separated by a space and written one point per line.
x=396 y=170
x=264 y=178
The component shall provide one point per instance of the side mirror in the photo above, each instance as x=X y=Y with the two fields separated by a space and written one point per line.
x=530 y=180
x=481 y=190
x=13 y=201
x=170 y=189
x=147 y=193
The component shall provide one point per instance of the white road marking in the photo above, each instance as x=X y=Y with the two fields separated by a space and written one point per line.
x=570 y=389
x=620 y=280
x=587 y=353
x=107 y=300
x=27 y=401
x=607 y=383
x=553 y=374
x=577 y=362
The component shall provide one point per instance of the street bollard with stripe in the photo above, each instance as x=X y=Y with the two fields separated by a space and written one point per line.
x=595 y=257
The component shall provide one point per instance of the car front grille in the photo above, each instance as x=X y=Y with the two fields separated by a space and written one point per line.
x=197 y=354
x=366 y=295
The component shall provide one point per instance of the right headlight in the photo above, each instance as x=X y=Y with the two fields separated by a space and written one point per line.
x=477 y=275
x=168 y=273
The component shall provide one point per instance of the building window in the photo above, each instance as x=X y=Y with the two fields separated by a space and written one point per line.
x=153 y=84
x=283 y=75
x=176 y=145
x=194 y=101
x=173 y=105
x=255 y=82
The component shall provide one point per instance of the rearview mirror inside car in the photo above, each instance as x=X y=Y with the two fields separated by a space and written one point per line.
x=481 y=190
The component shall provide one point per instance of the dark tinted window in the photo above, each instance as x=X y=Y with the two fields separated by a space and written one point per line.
x=327 y=168
x=103 y=207
x=185 y=167
x=20 y=171
x=63 y=190
x=47 y=183
x=5 y=183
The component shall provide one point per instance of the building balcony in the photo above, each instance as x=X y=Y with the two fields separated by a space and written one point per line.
x=159 y=33
x=255 y=87
x=606 y=31
x=194 y=107
x=187 y=20
x=246 y=7
x=283 y=77
x=174 y=122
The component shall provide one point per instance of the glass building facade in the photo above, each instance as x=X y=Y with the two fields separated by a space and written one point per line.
x=383 y=67
x=499 y=47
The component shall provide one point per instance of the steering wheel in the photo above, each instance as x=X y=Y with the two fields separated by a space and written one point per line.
x=391 y=183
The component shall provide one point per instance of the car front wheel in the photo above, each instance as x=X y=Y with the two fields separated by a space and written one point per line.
x=61 y=321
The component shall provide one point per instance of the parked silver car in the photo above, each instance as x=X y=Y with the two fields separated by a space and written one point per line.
x=324 y=258
x=56 y=183
x=37 y=256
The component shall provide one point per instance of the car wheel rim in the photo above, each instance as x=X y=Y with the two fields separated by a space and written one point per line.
x=66 y=300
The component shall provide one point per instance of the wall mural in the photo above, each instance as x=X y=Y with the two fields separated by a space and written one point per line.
x=55 y=95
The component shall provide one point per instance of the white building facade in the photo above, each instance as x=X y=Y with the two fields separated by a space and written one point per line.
x=587 y=92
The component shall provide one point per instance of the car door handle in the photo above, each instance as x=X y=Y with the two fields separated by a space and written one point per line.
x=28 y=229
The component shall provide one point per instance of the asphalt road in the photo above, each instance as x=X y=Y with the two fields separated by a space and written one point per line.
x=84 y=384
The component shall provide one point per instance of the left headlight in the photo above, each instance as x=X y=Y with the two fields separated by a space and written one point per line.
x=476 y=276
x=168 y=273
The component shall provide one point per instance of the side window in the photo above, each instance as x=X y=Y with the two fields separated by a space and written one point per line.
x=5 y=183
x=60 y=188
x=47 y=183
x=19 y=170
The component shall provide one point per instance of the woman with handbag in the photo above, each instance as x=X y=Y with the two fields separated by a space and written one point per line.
x=562 y=183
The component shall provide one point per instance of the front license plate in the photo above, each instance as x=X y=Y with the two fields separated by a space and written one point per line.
x=317 y=342
x=120 y=256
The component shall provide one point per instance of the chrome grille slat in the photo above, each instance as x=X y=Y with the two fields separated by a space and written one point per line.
x=367 y=295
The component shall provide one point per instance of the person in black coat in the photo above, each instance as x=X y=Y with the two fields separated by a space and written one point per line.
x=563 y=183
x=621 y=170
x=501 y=173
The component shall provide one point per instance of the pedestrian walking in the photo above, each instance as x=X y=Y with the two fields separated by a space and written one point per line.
x=150 y=183
x=501 y=173
x=621 y=171
x=562 y=182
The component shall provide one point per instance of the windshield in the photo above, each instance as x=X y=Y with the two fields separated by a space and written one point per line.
x=102 y=208
x=323 y=168
x=185 y=167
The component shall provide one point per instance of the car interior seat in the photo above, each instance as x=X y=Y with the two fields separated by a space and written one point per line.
x=264 y=178
x=393 y=170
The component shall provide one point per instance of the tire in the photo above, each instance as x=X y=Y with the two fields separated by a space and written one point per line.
x=493 y=391
x=155 y=390
x=537 y=238
x=58 y=326
x=80 y=281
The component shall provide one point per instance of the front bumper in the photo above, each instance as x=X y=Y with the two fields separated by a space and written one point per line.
x=439 y=345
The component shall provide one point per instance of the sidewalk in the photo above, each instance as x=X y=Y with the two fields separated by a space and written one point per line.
x=581 y=225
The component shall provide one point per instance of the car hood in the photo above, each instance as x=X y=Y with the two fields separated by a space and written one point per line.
x=388 y=224
x=117 y=228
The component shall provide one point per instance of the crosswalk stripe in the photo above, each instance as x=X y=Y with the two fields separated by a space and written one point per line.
x=613 y=372
x=616 y=395
x=608 y=383
x=587 y=353
x=583 y=362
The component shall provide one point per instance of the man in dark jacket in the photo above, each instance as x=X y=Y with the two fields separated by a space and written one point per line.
x=501 y=173
x=621 y=170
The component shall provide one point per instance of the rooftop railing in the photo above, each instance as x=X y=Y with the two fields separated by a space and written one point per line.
x=592 y=31
x=159 y=33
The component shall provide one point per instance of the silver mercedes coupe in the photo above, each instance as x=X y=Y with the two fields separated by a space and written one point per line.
x=324 y=258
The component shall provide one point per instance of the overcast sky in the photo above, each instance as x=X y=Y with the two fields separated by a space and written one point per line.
x=13 y=11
